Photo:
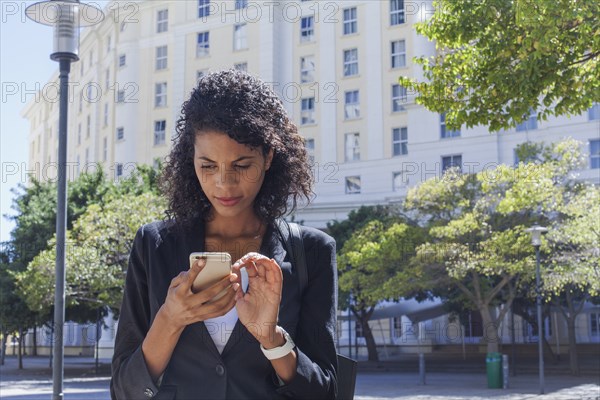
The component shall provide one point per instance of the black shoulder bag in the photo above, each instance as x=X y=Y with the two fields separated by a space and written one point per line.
x=346 y=372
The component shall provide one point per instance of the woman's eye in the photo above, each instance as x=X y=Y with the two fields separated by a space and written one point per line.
x=241 y=166
x=208 y=167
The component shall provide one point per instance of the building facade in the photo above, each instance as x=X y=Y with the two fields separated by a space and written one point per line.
x=335 y=65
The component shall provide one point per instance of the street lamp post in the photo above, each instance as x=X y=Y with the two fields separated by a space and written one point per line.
x=66 y=16
x=536 y=240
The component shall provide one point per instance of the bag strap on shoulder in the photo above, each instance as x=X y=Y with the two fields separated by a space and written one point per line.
x=292 y=237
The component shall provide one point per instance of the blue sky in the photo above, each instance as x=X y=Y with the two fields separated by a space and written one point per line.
x=25 y=48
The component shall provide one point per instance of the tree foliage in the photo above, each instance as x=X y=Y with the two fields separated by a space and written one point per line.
x=496 y=60
x=92 y=198
x=374 y=266
x=478 y=227
x=98 y=249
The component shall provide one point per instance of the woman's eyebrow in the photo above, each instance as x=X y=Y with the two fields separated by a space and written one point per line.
x=242 y=158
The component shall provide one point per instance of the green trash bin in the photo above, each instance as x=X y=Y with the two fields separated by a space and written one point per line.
x=493 y=363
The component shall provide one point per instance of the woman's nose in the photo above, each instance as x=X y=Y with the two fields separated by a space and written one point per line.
x=227 y=176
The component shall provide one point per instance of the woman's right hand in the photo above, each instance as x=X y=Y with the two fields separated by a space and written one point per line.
x=183 y=307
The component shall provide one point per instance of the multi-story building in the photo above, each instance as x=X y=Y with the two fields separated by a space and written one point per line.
x=334 y=64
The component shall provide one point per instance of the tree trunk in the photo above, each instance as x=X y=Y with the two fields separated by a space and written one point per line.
x=490 y=329
x=370 y=339
x=34 y=344
x=20 y=349
x=573 y=361
x=3 y=349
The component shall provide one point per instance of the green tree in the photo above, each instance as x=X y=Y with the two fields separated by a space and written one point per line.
x=573 y=274
x=342 y=230
x=496 y=60
x=35 y=223
x=373 y=255
x=96 y=259
x=478 y=223
x=474 y=250
x=15 y=316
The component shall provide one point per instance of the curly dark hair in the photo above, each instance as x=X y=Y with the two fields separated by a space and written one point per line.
x=249 y=112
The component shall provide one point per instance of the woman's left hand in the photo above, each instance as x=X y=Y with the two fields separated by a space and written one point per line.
x=258 y=308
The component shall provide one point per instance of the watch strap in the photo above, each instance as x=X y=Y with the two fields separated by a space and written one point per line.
x=281 y=351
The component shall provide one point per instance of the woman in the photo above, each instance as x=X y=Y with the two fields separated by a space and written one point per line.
x=237 y=165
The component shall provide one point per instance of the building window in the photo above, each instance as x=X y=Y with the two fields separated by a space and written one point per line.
x=595 y=325
x=120 y=133
x=119 y=170
x=241 y=66
x=160 y=96
x=452 y=161
x=396 y=325
x=203 y=8
x=122 y=60
x=105 y=114
x=350 y=62
x=159 y=132
x=240 y=37
x=203 y=45
x=162 y=21
x=79 y=134
x=120 y=96
x=241 y=4
x=161 y=57
x=399 y=181
x=352 y=184
x=307 y=69
x=352 y=146
x=398 y=54
x=87 y=155
x=400 y=141
x=352 y=105
x=350 y=23
x=309 y=144
x=107 y=78
x=396 y=12
x=90 y=95
x=594 y=112
x=446 y=133
x=81 y=101
x=595 y=154
x=88 y=126
x=307 y=30
x=105 y=149
x=307 y=114
x=399 y=97
x=530 y=123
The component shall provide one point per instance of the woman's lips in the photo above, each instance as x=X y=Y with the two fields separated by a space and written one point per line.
x=228 y=201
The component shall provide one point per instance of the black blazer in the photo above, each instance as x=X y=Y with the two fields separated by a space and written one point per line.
x=196 y=369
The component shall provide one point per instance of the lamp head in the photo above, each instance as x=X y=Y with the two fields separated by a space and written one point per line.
x=66 y=16
x=536 y=234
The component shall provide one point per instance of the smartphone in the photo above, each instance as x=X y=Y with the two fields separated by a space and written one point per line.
x=218 y=266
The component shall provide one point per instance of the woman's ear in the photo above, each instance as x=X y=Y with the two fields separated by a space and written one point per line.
x=269 y=160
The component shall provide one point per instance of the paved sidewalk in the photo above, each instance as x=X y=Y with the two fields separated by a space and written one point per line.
x=462 y=386
x=35 y=383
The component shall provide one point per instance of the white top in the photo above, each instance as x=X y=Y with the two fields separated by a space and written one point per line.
x=220 y=328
